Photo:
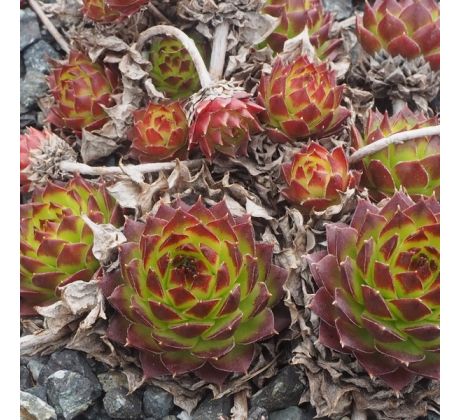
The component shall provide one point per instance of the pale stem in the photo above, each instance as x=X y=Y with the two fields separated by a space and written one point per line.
x=219 y=50
x=397 y=104
x=49 y=26
x=157 y=13
x=188 y=43
x=381 y=144
x=84 y=169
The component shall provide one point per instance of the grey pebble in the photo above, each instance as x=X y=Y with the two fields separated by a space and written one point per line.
x=120 y=405
x=30 y=31
x=37 y=55
x=157 y=402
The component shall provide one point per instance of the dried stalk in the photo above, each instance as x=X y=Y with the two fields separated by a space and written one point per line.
x=157 y=13
x=189 y=44
x=49 y=26
x=144 y=168
x=381 y=144
x=397 y=104
x=219 y=50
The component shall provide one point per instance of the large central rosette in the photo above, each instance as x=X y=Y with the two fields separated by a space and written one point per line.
x=195 y=291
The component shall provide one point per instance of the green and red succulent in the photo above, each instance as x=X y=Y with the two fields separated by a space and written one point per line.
x=225 y=125
x=194 y=291
x=56 y=244
x=295 y=16
x=410 y=28
x=173 y=71
x=316 y=177
x=107 y=11
x=379 y=283
x=159 y=133
x=413 y=165
x=30 y=140
x=81 y=90
x=302 y=100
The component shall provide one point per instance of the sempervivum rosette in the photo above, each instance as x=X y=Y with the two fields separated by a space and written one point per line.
x=379 y=283
x=100 y=11
x=195 y=291
x=81 y=89
x=30 y=140
x=302 y=100
x=413 y=165
x=410 y=28
x=294 y=16
x=159 y=133
x=173 y=71
x=315 y=177
x=55 y=241
x=223 y=118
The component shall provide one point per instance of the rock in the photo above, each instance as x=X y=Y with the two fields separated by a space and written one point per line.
x=33 y=408
x=283 y=391
x=157 y=402
x=35 y=366
x=432 y=416
x=120 y=405
x=30 y=31
x=27 y=120
x=33 y=86
x=25 y=379
x=71 y=393
x=67 y=360
x=213 y=409
x=95 y=412
x=163 y=418
x=37 y=55
x=258 y=413
x=290 y=413
x=112 y=379
x=39 y=391
x=342 y=8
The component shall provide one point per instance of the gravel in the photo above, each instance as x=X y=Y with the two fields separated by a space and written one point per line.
x=120 y=405
x=33 y=407
x=71 y=393
x=112 y=379
x=37 y=55
x=157 y=402
x=33 y=87
x=25 y=379
x=290 y=413
x=29 y=29
x=283 y=391
x=39 y=391
x=213 y=409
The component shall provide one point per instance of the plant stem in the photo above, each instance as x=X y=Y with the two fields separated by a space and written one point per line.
x=189 y=44
x=157 y=13
x=84 y=169
x=381 y=144
x=219 y=50
x=49 y=26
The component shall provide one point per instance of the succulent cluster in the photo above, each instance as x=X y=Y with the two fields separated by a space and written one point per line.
x=302 y=100
x=159 y=132
x=173 y=72
x=55 y=241
x=315 y=177
x=107 y=11
x=410 y=28
x=379 y=285
x=295 y=16
x=81 y=90
x=413 y=165
x=30 y=140
x=194 y=290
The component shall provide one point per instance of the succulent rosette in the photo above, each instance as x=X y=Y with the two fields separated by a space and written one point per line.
x=195 y=291
x=31 y=139
x=302 y=100
x=316 y=177
x=55 y=241
x=413 y=164
x=100 y=11
x=379 y=284
x=159 y=133
x=294 y=16
x=81 y=89
x=224 y=124
x=173 y=71
x=410 y=28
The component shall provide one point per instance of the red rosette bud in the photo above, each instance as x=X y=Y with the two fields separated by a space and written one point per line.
x=30 y=140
